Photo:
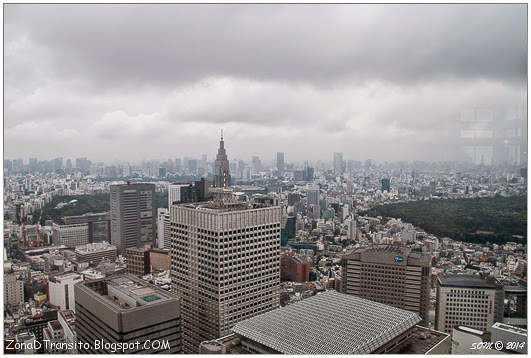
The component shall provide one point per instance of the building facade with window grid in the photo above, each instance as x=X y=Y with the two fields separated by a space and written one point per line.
x=466 y=300
x=392 y=275
x=225 y=266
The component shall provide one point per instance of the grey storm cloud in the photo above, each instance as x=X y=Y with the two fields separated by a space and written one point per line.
x=160 y=80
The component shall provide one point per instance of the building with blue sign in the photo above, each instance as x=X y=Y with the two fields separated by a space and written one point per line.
x=393 y=275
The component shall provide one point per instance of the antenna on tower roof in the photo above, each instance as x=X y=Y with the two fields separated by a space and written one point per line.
x=221 y=133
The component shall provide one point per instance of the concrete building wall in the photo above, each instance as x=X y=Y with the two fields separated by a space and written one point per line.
x=224 y=266
x=98 y=318
x=159 y=259
x=13 y=290
x=71 y=235
x=61 y=290
x=470 y=307
x=392 y=276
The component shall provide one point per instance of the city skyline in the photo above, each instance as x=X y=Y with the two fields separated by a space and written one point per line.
x=384 y=82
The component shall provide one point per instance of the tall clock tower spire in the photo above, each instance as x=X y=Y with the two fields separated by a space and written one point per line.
x=221 y=170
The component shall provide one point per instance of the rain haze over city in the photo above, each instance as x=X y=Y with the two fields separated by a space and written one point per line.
x=265 y=178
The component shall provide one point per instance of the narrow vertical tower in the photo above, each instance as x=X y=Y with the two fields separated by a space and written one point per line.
x=222 y=171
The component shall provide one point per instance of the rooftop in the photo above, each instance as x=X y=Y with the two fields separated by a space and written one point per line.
x=223 y=206
x=328 y=323
x=66 y=276
x=126 y=291
x=511 y=329
x=514 y=289
x=466 y=281
x=421 y=341
x=68 y=316
x=94 y=247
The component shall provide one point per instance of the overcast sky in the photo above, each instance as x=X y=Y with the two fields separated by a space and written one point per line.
x=136 y=82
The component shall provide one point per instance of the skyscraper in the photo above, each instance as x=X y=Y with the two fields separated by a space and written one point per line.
x=257 y=165
x=225 y=265
x=221 y=170
x=338 y=163
x=174 y=192
x=133 y=215
x=312 y=195
x=386 y=184
x=280 y=162
x=163 y=228
x=392 y=275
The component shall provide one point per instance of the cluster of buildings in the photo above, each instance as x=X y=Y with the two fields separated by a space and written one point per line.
x=276 y=261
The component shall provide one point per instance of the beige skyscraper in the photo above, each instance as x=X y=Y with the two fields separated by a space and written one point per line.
x=225 y=265
x=392 y=275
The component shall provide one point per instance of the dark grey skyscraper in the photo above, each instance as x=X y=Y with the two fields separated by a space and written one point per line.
x=280 y=162
x=222 y=170
x=133 y=215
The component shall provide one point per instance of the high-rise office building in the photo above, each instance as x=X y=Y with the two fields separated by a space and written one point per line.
x=289 y=229
x=257 y=165
x=351 y=228
x=174 y=192
x=396 y=276
x=123 y=308
x=224 y=264
x=163 y=228
x=338 y=163
x=133 y=215
x=280 y=162
x=386 y=184
x=196 y=191
x=221 y=167
x=466 y=300
x=312 y=195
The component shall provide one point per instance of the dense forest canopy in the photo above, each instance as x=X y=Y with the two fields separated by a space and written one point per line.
x=95 y=203
x=478 y=220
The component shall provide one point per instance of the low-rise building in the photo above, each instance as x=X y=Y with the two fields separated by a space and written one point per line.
x=124 y=308
x=469 y=301
x=332 y=323
x=138 y=261
x=96 y=252
x=61 y=290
